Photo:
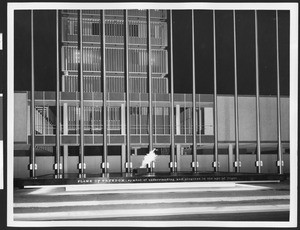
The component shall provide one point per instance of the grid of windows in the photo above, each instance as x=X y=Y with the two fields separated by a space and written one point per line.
x=115 y=66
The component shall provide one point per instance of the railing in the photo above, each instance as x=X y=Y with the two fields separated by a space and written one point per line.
x=93 y=123
x=115 y=84
x=188 y=129
x=90 y=83
x=93 y=119
x=43 y=124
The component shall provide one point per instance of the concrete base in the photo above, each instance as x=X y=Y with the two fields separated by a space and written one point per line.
x=157 y=177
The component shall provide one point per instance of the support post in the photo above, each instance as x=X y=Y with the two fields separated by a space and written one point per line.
x=149 y=79
x=236 y=108
x=195 y=162
x=32 y=164
x=126 y=43
x=173 y=160
x=216 y=156
x=57 y=165
x=104 y=164
x=81 y=165
x=258 y=162
x=280 y=158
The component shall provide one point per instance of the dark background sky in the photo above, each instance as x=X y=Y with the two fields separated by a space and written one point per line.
x=45 y=52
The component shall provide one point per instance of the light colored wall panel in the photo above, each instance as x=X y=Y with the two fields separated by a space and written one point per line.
x=269 y=161
x=114 y=163
x=137 y=161
x=225 y=118
x=268 y=117
x=286 y=160
x=208 y=121
x=20 y=167
x=247 y=119
x=205 y=163
x=20 y=117
x=248 y=163
x=162 y=163
x=285 y=119
x=223 y=159
x=45 y=165
x=93 y=164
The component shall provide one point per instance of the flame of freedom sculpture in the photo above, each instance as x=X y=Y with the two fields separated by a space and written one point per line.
x=149 y=158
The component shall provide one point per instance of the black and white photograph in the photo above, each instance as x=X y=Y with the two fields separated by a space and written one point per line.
x=152 y=114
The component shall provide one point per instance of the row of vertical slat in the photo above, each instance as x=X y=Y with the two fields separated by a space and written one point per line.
x=161 y=120
x=114 y=118
x=91 y=59
x=138 y=60
x=155 y=13
x=93 y=119
x=114 y=31
x=114 y=60
x=115 y=84
x=73 y=119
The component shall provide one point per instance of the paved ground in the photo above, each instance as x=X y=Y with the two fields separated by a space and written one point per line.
x=193 y=202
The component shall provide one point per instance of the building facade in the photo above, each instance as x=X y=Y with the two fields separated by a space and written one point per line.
x=115 y=102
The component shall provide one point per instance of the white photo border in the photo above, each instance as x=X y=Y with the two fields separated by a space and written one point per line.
x=292 y=7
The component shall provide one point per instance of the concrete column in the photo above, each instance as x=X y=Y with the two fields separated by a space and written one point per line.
x=63 y=86
x=135 y=151
x=65 y=159
x=177 y=119
x=200 y=121
x=123 y=158
x=178 y=154
x=230 y=158
x=65 y=118
x=123 y=120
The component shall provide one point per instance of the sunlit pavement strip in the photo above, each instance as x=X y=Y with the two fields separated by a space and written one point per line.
x=148 y=201
x=100 y=214
x=52 y=191
x=134 y=186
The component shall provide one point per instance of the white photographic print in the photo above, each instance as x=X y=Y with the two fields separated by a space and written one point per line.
x=152 y=114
